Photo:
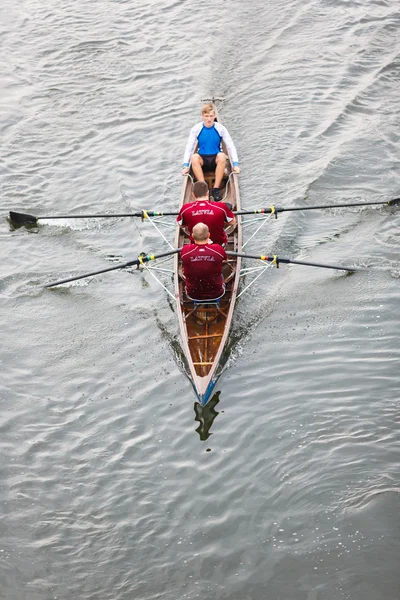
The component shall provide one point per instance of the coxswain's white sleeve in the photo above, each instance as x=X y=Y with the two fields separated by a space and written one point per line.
x=230 y=146
x=191 y=143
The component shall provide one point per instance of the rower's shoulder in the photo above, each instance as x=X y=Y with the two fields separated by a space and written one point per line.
x=215 y=246
x=187 y=205
x=216 y=249
x=188 y=248
x=222 y=206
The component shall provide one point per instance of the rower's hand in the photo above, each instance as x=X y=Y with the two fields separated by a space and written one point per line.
x=185 y=171
x=236 y=170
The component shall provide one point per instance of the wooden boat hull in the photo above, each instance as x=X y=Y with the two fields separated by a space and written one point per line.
x=205 y=327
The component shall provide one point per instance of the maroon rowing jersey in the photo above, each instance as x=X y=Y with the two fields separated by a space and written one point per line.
x=202 y=267
x=212 y=214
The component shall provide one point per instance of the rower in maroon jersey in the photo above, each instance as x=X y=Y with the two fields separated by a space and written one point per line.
x=202 y=266
x=216 y=215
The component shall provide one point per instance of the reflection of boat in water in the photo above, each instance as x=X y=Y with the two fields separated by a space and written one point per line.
x=205 y=416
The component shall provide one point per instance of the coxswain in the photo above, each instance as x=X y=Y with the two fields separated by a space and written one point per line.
x=216 y=215
x=202 y=266
x=209 y=135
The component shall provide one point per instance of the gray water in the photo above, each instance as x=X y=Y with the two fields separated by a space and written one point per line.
x=114 y=485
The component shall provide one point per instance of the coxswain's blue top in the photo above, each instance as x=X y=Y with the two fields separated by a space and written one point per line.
x=209 y=141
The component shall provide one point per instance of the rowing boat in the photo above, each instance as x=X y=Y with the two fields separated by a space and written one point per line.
x=205 y=326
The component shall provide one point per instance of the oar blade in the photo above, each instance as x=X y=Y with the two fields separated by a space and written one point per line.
x=22 y=219
x=394 y=201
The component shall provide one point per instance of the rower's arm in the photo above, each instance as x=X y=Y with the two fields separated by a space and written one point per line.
x=229 y=223
x=185 y=230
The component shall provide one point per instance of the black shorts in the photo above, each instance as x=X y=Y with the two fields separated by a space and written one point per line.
x=209 y=163
x=222 y=293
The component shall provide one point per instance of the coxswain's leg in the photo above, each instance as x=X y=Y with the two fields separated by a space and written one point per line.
x=197 y=163
x=220 y=161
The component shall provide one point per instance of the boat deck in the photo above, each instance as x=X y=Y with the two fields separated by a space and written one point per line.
x=205 y=326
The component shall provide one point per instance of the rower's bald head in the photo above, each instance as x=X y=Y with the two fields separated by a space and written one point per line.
x=200 y=232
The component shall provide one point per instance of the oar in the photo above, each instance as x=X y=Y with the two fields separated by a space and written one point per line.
x=25 y=219
x=277 y=260
x=275 y=210
x=138 y=261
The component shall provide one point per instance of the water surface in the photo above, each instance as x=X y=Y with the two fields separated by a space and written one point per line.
x=112 y=485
